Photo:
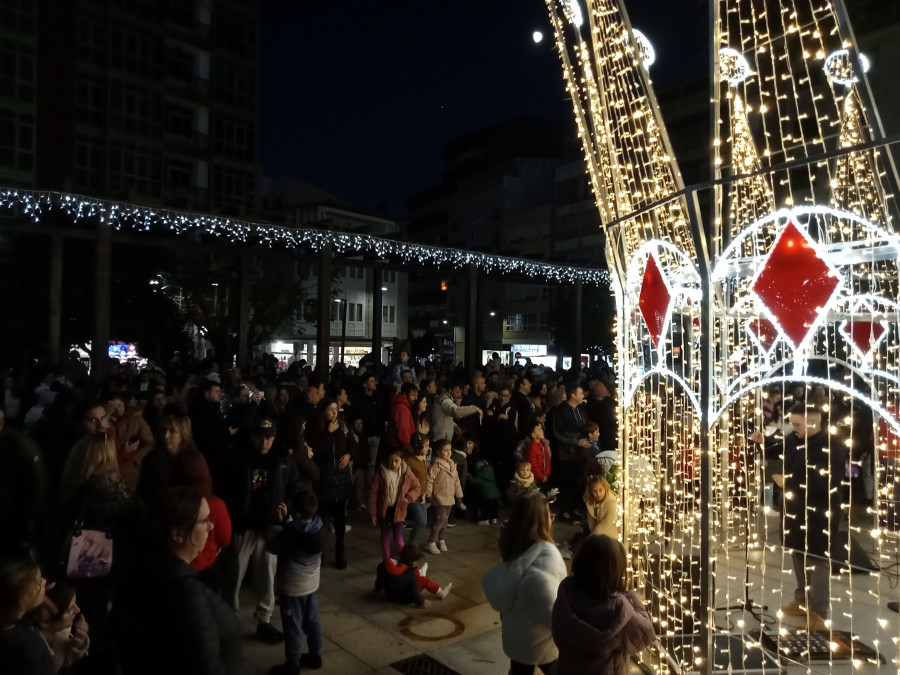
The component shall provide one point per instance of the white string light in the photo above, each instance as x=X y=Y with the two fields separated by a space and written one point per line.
x=34 y=205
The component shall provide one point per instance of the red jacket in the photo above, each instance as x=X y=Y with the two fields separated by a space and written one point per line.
x=539 y=456
x=408 y=492
x=401 y=416
x=218 y=539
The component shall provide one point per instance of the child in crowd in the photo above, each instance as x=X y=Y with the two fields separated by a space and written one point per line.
x=522 y=484
x=483 y=487
x=462 y=448
x=539 y=455
x=597 y=623
x=299 y=547
x=394 y=488
x=62 y=625
x=601 y=507
x=404 y=581
x=417 y=512
x=444 y=489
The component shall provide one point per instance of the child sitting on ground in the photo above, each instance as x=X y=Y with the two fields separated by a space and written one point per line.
x=404 y=581
x=601 y=507
x=483 y=487
x=299 y=548
x=393 y=489
x=522 y=484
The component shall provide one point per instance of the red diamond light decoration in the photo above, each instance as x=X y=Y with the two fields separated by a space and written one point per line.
x=864 y=334
x=655 y=300
x=764 y=331
x=795 y=284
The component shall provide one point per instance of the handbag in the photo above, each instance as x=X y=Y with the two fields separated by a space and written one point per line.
x=90 y=554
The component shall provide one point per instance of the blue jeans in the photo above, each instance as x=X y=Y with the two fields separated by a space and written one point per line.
x=300 y=615
x=418 y=514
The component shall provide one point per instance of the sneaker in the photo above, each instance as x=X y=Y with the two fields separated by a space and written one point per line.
x=432 y=548
x=268 y=633
x=341 y=563
x=444 y=591
x=442 y=545
x=493 y=521
x=423 y=569
x=311 y=661
x=815 y=621
x=484 y=522
x=451 y=523
x=793 y=608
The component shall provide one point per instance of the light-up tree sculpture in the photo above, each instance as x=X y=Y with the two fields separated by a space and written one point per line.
x=651 y=249
x=793 y=283
x=804 y=292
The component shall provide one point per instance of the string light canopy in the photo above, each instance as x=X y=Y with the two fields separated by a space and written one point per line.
x=80 y=209
x=790 y=295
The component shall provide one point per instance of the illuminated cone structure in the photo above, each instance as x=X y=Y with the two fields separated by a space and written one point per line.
x=792 y=280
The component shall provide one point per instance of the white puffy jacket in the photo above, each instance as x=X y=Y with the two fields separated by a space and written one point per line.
x=523 y=591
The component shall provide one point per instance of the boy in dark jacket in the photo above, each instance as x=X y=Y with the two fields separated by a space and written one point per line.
x=263 y=483
x=299 y=548
x=483 y=486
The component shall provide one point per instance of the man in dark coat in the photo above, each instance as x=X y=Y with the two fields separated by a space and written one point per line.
x=368 y=405
x=263 y=483
x=813 y=470
x=212 y=435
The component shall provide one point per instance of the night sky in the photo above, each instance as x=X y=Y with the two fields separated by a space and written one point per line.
x=359 y=96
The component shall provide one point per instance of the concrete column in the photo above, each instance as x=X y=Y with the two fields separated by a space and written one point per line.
x=377 y=304
x=472 y=319
x=54 y=332
x=577 y=337
x=243 y=355
x=102 y=302
x=323 y=324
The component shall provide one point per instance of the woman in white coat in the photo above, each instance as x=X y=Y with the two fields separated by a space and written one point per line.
x=523 y=588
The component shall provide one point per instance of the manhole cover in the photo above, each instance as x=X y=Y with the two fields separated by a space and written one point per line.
x=422 y=665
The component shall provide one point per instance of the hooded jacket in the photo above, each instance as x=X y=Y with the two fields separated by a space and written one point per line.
x=402 y=424
x=299 y=547
x=408 y=492
x=597 y=637
x=443 y=482
x=523 y=590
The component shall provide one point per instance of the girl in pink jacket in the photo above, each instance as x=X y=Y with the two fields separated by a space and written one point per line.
x=393 y=489
x=444 y=489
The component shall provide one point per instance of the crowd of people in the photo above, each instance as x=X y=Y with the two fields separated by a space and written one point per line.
x=131 y=513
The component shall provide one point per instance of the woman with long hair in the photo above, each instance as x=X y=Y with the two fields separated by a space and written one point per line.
x=422 y=413
x=175 y=435
x=523 y=587
x=166 y=619
x=335 y=485
x=597 y=621
x=291 y=439
x=95 y=498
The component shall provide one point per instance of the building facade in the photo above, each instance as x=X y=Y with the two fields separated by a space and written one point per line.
x=148 y=101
